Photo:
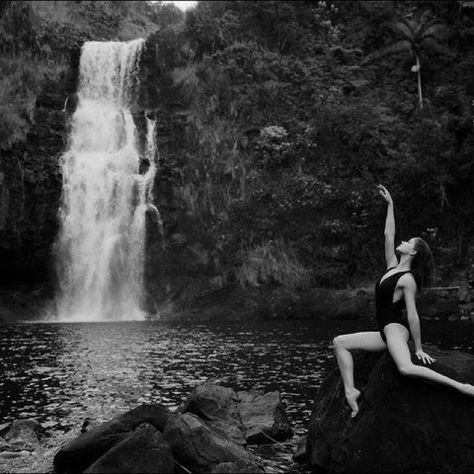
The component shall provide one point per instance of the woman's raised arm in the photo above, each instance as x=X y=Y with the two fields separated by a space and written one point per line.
x=389 y=232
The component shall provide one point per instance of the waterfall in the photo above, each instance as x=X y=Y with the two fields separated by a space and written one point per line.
x=101 y=244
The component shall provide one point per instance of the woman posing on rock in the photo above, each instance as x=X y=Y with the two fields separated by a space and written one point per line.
x=396 y=288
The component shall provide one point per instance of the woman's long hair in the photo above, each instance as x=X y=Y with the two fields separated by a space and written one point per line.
x=422 y=264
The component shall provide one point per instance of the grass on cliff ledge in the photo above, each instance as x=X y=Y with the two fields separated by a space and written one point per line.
x=272 y=262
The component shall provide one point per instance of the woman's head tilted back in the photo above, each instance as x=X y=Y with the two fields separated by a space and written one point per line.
x=421 y=260
x=422 y=264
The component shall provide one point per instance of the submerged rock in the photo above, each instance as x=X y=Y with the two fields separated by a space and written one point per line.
x=144 y=451
x=81 y=452
x=404 y=424
x=253 y=417
x=24 y=435
x=201 y=449
x=300 y=454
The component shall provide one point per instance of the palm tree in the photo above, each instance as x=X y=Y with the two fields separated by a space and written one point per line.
x=418 y=35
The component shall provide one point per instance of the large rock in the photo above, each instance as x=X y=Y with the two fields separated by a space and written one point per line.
x=253 y=417
x=404 y=424
x=219 y=407
x=80 y=453
x=144 y=451
x=24 y=435
x=200 y=448
x=263 y=416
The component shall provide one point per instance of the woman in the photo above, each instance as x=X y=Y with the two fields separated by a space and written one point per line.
x=396 y=288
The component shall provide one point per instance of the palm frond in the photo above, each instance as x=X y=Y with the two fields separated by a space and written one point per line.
x=402 y=45
x=432 y=44
x=413 y=25
x=437 y=30
x=404 y=29
x=421 y=20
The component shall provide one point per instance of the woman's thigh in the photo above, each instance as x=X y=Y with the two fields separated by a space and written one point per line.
x=397 y=342
x=367 y=341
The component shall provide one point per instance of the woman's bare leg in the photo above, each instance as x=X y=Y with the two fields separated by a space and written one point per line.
x=397 y=338
x=368 y=341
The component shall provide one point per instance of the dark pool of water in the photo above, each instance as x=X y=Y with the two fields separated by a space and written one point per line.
x=60 y=374
x=96 y=369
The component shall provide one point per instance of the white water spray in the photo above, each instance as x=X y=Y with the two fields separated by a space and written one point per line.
x=101 y=245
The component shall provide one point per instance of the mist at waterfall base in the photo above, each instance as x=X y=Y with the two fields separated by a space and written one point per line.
x=100 y=249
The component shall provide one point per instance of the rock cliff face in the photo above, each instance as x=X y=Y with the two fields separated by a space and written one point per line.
x=30 y=189
x=404 y=425
x=30 y=173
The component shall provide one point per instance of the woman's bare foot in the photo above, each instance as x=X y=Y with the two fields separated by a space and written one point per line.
x=351 y=397
x=467 y=389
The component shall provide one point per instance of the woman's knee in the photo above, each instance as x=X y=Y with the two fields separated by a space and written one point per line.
x=406 y=369
x=338 y=342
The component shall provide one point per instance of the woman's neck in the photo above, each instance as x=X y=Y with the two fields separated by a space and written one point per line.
x=405 y=262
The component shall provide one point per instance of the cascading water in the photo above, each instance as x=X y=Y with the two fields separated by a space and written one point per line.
x=101 y=244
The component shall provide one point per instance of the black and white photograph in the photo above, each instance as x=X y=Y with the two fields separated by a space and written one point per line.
x=237 y=237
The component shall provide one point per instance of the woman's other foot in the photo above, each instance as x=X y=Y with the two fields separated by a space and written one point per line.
x=351 y=397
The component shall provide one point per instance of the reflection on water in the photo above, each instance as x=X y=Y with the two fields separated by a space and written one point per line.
x=65 y=372
x=60 y=374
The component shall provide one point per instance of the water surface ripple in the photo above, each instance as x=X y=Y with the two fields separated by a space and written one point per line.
x=60 y=374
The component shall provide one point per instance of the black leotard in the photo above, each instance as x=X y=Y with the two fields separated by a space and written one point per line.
x=385 y=310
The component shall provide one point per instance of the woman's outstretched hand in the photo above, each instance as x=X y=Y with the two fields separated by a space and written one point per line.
x=384 y=193
x=424 y=357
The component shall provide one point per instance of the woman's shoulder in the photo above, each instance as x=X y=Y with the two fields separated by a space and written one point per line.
x=407 y=281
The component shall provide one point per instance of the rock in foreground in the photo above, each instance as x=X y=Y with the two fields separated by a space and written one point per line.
x=219 y=406
x=145 y=451
x=404 y=424
x=263 y=417
x=80 y=453
x=151 y=439
x=24 y=435
x=245 y=417
x=201 y=449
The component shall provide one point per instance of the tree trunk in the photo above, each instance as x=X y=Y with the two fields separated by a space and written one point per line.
x=420 y=96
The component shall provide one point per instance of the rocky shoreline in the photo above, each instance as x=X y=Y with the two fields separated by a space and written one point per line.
x=216 y=429
x=416 y=427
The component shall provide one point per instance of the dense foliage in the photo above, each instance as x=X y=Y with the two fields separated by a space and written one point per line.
x=38 y=40
x=294 y=116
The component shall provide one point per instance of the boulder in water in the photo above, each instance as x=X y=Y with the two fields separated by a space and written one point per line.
x=144 y=451
x=200 y=448
x=404 y=424
x=299 y=455
x=219 y=407
x=263 y=416
x=253 y=417
x=81 y=452
x=24 y=435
